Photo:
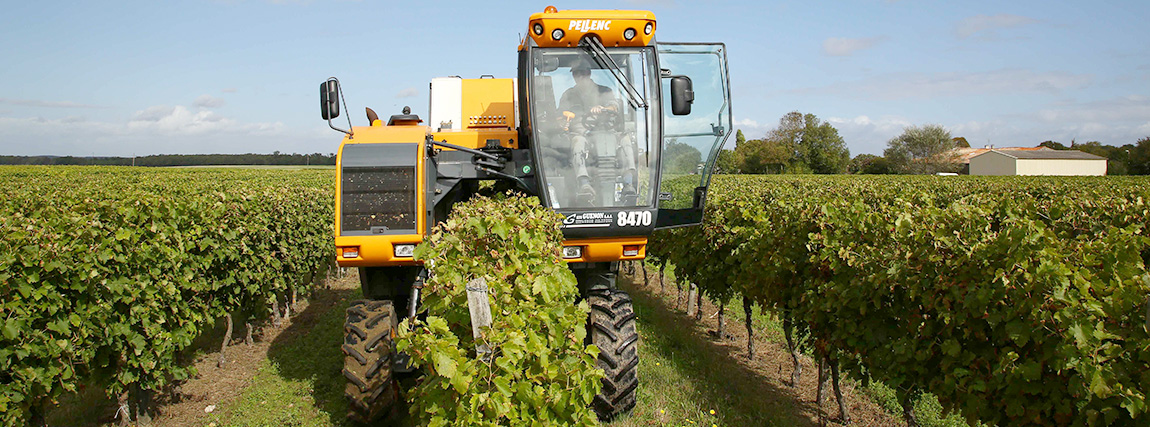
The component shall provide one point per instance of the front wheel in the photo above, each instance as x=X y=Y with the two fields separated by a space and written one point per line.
x=372 y=391
x=611 y=327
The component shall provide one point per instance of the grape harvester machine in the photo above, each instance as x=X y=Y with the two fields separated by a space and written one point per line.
x=616 y=132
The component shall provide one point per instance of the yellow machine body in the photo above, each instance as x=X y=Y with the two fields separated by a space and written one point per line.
x=480 y=110
x=609 y=25
x=488 y=111
x=380 y=250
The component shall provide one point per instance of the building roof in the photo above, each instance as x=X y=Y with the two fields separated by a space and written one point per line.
x=1046 y=154
x=963 y=155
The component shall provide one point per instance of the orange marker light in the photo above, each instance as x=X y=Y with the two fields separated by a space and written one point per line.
x=350 y=252
x=631 y=250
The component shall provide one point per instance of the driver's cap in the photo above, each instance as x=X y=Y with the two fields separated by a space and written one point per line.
x=580 y=66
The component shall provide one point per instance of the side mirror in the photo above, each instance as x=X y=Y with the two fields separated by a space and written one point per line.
x=329 y=99
x=681 y=95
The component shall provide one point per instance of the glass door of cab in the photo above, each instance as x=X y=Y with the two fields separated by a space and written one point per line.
x=691 y=142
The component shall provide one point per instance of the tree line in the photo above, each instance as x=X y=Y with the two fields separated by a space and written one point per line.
x=276 y=158
x=803 y=143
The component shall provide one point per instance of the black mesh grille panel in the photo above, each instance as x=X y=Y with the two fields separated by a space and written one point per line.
x=378 y=200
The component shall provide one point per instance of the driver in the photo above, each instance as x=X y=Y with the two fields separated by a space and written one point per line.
x=586 y=97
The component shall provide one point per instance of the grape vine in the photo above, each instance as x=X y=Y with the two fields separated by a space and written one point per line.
x=539 y=370
x=1017 y=301
x=108 y=273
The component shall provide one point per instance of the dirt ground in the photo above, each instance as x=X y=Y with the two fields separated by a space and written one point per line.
x=216 y=386
x=187 y=404
x=771 y=361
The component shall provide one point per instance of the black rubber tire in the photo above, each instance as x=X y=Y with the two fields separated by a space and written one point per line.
x=611 y=327
x=372 y=390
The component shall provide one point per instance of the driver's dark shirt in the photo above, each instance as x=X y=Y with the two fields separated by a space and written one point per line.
x=580 y=98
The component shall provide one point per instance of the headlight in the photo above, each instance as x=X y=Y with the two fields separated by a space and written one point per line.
x=629 y=33
x=650 y=27
x=572 y=252
x=404 y=251
x=557 y=34
x=538 y=28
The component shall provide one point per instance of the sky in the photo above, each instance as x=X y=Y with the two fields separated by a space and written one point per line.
x=130 y=78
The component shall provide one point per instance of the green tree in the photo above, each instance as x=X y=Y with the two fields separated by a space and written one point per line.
x=760 y=156
x=1117 y=157
x=960 y=142
x=681 y=159
x=726 y=162
x=922 y=150
x=1053 y=145
x=802 y=143
x=1139 y=160
x=1093 y=147
x=824 y=151
x=870 y=164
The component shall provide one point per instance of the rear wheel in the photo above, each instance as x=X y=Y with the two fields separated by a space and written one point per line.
x=611 y=327
x=372 y=391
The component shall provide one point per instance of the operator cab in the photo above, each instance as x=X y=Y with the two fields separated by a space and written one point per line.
x=624 y=130
x=596 y=146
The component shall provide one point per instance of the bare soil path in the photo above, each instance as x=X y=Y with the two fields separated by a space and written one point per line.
x=691 y=375
x=760 y=383
x=193 y=402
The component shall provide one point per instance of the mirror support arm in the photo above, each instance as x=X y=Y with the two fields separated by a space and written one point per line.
x=341 y=98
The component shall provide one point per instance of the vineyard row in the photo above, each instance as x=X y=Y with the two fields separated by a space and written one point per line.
x=1016 y=301
x=108 y=274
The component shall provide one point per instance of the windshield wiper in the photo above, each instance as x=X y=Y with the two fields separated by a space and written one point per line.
x=596 y=48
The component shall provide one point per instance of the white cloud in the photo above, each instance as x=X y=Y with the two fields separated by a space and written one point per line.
x=208 y=101
x=1115 y=121
x=931 y=85
x=181 y=121
x=46 y=104
x=1134 y=108
x=835 y=46
x=408 y=93
x=153 y=113
x=154 y=130
x=866 y=135
x=752 y=129
x=975 y=127
x=988 y=24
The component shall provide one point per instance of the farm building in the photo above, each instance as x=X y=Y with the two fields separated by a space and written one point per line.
x=1037 y=162
x=963 y=155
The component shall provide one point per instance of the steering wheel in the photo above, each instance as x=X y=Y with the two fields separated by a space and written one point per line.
x=603 y=120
